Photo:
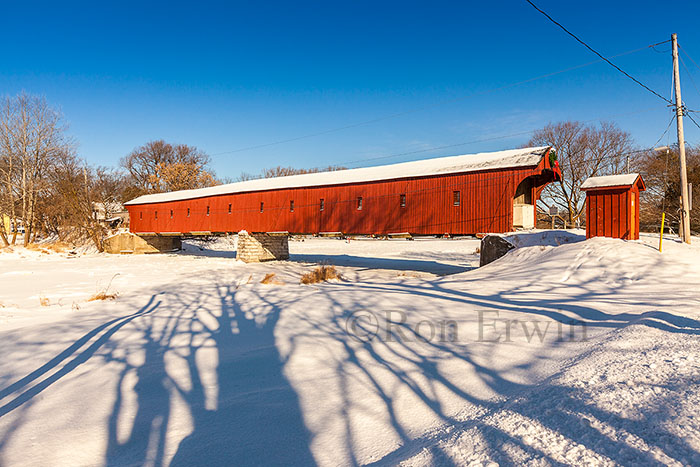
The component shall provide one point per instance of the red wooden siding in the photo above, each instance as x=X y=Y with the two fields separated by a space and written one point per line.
x=486 y=205
x=613 y=212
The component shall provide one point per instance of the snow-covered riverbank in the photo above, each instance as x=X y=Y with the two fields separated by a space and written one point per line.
x=586 y=352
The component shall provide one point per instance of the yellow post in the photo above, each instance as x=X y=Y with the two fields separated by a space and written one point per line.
x=661 y=234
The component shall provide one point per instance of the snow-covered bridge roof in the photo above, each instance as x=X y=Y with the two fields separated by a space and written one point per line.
x=525 y=157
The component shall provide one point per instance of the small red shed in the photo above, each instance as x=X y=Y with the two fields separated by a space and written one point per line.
x=612 y=206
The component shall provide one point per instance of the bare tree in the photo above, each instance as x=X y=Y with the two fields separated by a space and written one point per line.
x=181 y=176
x=245 y=176
x=107 y=189
x=9 y=169
x=280 y=171
x=8 y=188
x=583 y=151
x=32 y=137
x=662 y=178
x=74 y=194
x=67 y=204
x=158 y=167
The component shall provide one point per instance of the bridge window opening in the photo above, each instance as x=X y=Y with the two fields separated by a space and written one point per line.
x=322 y=204
x=188 y=212
x=456 y=198
x=141 y=215
x=156 y=214
x=402 y=201
x=359 y=203
x=208 y=210
x=229 y=208
x=171 y=213
x=262 y=206
x=291 y=205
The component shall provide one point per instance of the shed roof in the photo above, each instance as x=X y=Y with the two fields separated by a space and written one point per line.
x=524 y=157
x=607 y=181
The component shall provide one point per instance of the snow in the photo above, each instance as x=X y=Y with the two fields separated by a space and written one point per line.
x=630 y=399
x=610 y=180
x=197 y=362
x=525 y=157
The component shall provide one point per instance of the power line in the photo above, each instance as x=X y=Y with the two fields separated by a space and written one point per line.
x=435 y=148
x=688 y=73
x=673 y=117
x=521 y=133
x=688 y=112
x=426 y=107
x=688 y=55
x=692 y=119
x=653 y=47
x=599 y=54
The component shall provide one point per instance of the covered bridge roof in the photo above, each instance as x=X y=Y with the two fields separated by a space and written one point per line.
x=525 y=157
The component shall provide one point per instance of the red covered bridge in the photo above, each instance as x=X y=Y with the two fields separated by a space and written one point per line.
x=468 y=194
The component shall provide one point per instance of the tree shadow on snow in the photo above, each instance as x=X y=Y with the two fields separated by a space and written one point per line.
x=420 y=265
x=248 y=415
x=244 y=410
x=26 y=388
x=202 y=251
x=411 y=359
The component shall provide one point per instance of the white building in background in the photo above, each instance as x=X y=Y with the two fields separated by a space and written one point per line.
x=111 y=214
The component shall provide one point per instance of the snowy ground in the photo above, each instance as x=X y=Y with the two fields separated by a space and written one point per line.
x=583 y=353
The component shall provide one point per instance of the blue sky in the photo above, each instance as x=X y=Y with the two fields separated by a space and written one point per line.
x=224 y=76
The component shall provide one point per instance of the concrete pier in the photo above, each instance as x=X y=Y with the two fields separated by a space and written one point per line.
x=262 y=246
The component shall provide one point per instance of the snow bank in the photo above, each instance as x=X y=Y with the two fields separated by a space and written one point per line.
x=545 y=237
x=581 y=353
x=630 y=399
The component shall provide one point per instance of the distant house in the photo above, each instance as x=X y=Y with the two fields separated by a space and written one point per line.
x=5 y=222
x=111 y=215
x=9 y=226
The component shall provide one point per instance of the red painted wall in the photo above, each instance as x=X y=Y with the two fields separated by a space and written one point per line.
x=613 y=212
x=486 y=205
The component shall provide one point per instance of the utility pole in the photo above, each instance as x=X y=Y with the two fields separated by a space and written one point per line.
x=685 y=211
